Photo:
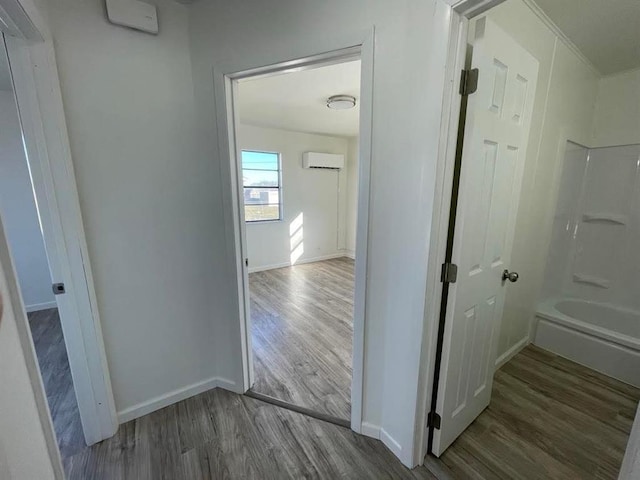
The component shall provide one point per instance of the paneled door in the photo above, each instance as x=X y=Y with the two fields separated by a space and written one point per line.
x=495 y=143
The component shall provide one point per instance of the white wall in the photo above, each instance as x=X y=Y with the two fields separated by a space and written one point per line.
x=23 y=449
x=149 y=199
x=319 y=196
x=617 y=115
x=563 y=110
x=151 y=191
x=18 y=210
x=407 y=103
x=352 y=195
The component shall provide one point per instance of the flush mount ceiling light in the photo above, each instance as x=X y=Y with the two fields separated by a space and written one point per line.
x=341 y=102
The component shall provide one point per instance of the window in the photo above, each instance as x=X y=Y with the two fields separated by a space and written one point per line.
x=261 y=182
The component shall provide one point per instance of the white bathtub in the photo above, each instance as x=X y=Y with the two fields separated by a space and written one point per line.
x=599 y=336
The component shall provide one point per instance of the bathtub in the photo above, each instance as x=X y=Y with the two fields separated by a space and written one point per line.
x=600 y=336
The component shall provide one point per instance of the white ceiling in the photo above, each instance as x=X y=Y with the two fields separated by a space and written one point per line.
x=607 y=32
x=297 y=101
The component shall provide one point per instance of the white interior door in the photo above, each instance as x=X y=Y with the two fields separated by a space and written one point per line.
x=495 y=143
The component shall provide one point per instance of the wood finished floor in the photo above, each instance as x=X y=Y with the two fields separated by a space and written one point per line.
x=56 y=375
x=222 y=435
x=549 y=418
x=302 y=331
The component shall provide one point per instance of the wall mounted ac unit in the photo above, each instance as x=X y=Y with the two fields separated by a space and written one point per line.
x=329 y=161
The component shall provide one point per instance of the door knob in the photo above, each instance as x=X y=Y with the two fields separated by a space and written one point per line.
x=511 y=276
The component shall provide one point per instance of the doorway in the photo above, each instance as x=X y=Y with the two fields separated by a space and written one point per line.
x=21 y=221
x=297 y=138
x=29 y=66
x=524 y=269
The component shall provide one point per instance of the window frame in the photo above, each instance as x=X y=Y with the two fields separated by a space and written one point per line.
x=279 y=187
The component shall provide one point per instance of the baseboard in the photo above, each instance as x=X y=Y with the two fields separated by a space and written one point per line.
x=512 y=352
x=321 y=258
x=390 y=443
x=273 y=266
x=161 y=401
x=350 y=253
x=36 y=307
x=370 y=430
x=229 y=385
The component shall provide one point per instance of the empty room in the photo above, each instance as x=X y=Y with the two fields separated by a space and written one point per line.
x=297 y=140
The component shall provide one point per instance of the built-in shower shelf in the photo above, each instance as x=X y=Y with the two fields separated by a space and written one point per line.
x=591 y=280
x=610 y=218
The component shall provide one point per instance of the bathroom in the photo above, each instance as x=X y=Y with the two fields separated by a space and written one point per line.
x=589 y=308
x=578 y=222
x=554 y=290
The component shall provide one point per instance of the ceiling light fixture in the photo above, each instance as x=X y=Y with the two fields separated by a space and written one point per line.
x=341 y=102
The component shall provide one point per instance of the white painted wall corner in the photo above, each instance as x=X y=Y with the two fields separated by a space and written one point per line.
x=370 y=430
x=512 y=352
x=321 y=258
x=391 y=443
x=161 y=401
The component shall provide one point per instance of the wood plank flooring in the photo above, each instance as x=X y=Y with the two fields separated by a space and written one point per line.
x=220 y=435
x=549 y=418
x=56 y=375
x=302 y=333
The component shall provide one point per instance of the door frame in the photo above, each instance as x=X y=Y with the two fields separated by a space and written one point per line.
x=225 y=90
x=461 y=12
x=39 y=101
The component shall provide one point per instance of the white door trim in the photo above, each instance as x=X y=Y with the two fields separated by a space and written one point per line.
x=225 y=78
x=37 y=89
x=461 y=11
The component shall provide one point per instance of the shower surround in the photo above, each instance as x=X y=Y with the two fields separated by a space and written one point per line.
x=590 y=306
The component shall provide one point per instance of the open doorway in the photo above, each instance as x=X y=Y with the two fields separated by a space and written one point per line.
x=21 y=221
x=538 y=361
x=297 y=141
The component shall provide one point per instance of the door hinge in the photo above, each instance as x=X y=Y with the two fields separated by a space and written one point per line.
x=58 y=288
x=433 y=420
x=449 y=273
x=469 y=82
